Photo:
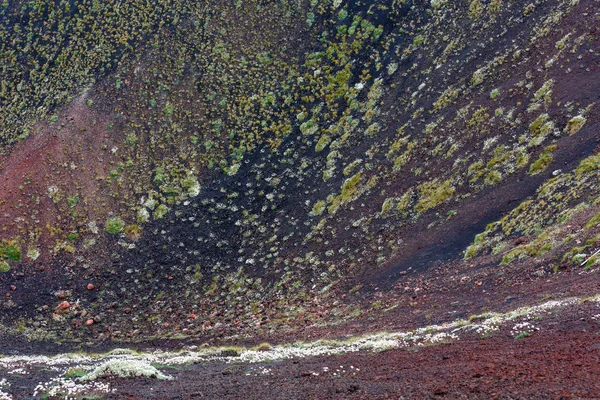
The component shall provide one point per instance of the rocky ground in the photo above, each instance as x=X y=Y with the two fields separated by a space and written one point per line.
x=550 y=350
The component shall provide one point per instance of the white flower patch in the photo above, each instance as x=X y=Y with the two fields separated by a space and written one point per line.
x=126 y=245
x=20 y=371
x=489 y=142
x=70 y=388
x=260 y=371
x=4 y=384
x=125 y=369
x=523 y=329
x=493 y=321
x=441 y=337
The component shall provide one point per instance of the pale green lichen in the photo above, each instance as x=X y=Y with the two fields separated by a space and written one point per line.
x=318 y=208
x=575 y=124
x=33 y=253
x=160 y=211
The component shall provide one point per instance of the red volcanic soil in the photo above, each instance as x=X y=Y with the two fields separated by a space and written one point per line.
x=72 y=154
x=560 y=361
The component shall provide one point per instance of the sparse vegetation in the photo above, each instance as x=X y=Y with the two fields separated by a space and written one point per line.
x=205 y=179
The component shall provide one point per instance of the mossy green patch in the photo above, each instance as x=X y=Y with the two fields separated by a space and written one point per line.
x=114 y=225
x=575 y=124
x=433 y=193
x=350 y=187
x=588 y=165
x=10 y=250
x=4 y=266
x=543 y=161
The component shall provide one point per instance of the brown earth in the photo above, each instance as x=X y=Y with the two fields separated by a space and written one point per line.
x=561 y=361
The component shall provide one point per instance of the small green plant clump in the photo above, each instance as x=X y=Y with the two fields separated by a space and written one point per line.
x=11 y=251
x=4 y=266
x=114 y=225
x=522 y=335
x=543 y=161
x=75 y=373
x=433 y=194
x=575 y=124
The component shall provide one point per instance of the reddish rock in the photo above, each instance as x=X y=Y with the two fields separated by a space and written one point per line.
x=90 y=286
x=89 y=322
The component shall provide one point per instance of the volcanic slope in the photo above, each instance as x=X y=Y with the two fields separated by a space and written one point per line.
x=218 y=171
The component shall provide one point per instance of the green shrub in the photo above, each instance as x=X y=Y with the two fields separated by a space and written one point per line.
x=318 y=208
x=160 y=211
x=418 y=40
x=575 y=124
x=593 y=221
x=72 y=201
x=434 y=193
x=11 y=250
x=114 y=225
x=322 y=143
x=350 y=187
x=309 y=127
x=4 y=267
x=471 y=251
x=387 y=205
x=588 y=165
x=169 y=109
x=230 y=352
x=475 y=9
x=542 y=162
x=492 y=178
